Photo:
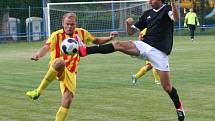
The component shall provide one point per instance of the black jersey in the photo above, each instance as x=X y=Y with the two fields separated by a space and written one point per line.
x=159 y=28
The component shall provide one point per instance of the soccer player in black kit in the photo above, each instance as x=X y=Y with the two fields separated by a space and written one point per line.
x=155 y=47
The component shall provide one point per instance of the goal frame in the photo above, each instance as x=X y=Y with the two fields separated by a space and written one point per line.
x=70 y=3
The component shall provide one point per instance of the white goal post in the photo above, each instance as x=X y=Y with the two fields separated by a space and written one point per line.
x=96 y=17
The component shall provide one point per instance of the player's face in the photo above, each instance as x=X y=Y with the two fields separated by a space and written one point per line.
x=69 y=25
x=156 y=4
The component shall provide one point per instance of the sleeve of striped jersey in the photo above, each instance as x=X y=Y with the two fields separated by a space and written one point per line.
x=88 y=38
x=52 y=41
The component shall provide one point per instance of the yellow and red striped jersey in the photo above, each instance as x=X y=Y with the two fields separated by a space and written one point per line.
x=55 y=41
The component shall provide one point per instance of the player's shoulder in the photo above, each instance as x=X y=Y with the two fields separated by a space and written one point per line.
x=58 y=32
x=190 y=14
x=147 y=11
x=167 y=7
x=194 y=13
x=81 y=30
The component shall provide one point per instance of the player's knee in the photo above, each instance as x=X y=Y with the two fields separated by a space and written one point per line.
x=59 y=65
x=117 y=45
x=121 y=46
x=148 y=66
x=167 y=88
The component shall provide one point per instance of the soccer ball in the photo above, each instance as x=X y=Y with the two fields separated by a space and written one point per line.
x=69 y=46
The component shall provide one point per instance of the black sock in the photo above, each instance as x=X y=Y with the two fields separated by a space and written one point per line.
x=104 y=49
x=175 y=98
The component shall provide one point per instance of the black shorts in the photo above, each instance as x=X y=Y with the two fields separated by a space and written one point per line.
x=191 y=27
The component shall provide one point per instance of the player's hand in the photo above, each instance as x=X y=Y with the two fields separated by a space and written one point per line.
x=198 y=24
x=130 y=21
x=35 y=57
x=113 y=34
x=140 y=37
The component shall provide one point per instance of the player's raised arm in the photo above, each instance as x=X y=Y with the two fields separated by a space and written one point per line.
x=102 y=40
x=40 y=53
x=174 y=10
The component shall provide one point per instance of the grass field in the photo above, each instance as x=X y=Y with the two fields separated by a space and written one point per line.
x=105 y=92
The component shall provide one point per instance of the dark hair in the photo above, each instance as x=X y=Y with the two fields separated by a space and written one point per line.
x=163 y=1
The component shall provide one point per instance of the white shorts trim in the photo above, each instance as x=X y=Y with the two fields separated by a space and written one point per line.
x=158 y=58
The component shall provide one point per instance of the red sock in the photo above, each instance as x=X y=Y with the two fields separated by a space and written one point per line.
x=81 y=47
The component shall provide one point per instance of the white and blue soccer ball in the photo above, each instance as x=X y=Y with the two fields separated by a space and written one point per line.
x=69 y=46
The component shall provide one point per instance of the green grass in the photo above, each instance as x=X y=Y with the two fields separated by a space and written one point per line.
x=104 y=91
x=199 y=31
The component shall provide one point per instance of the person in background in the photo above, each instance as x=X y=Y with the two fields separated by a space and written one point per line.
x=191 y=21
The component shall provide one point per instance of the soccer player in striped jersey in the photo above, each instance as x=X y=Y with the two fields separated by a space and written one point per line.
x=64 y=67
x=147 y=67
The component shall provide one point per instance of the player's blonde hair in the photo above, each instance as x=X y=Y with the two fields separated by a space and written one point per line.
x=69 y=15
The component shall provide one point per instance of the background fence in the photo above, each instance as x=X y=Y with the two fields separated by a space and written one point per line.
x=22 y=20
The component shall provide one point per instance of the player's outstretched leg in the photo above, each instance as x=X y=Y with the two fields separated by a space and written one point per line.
x=49 y=77
x=140 y=73
x=143 y=70
x=102 y=49
x=33 y=94
x=127 y=47
x=133 y=79
x=56 y=67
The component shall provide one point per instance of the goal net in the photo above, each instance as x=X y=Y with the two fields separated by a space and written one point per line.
x=96 y=17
